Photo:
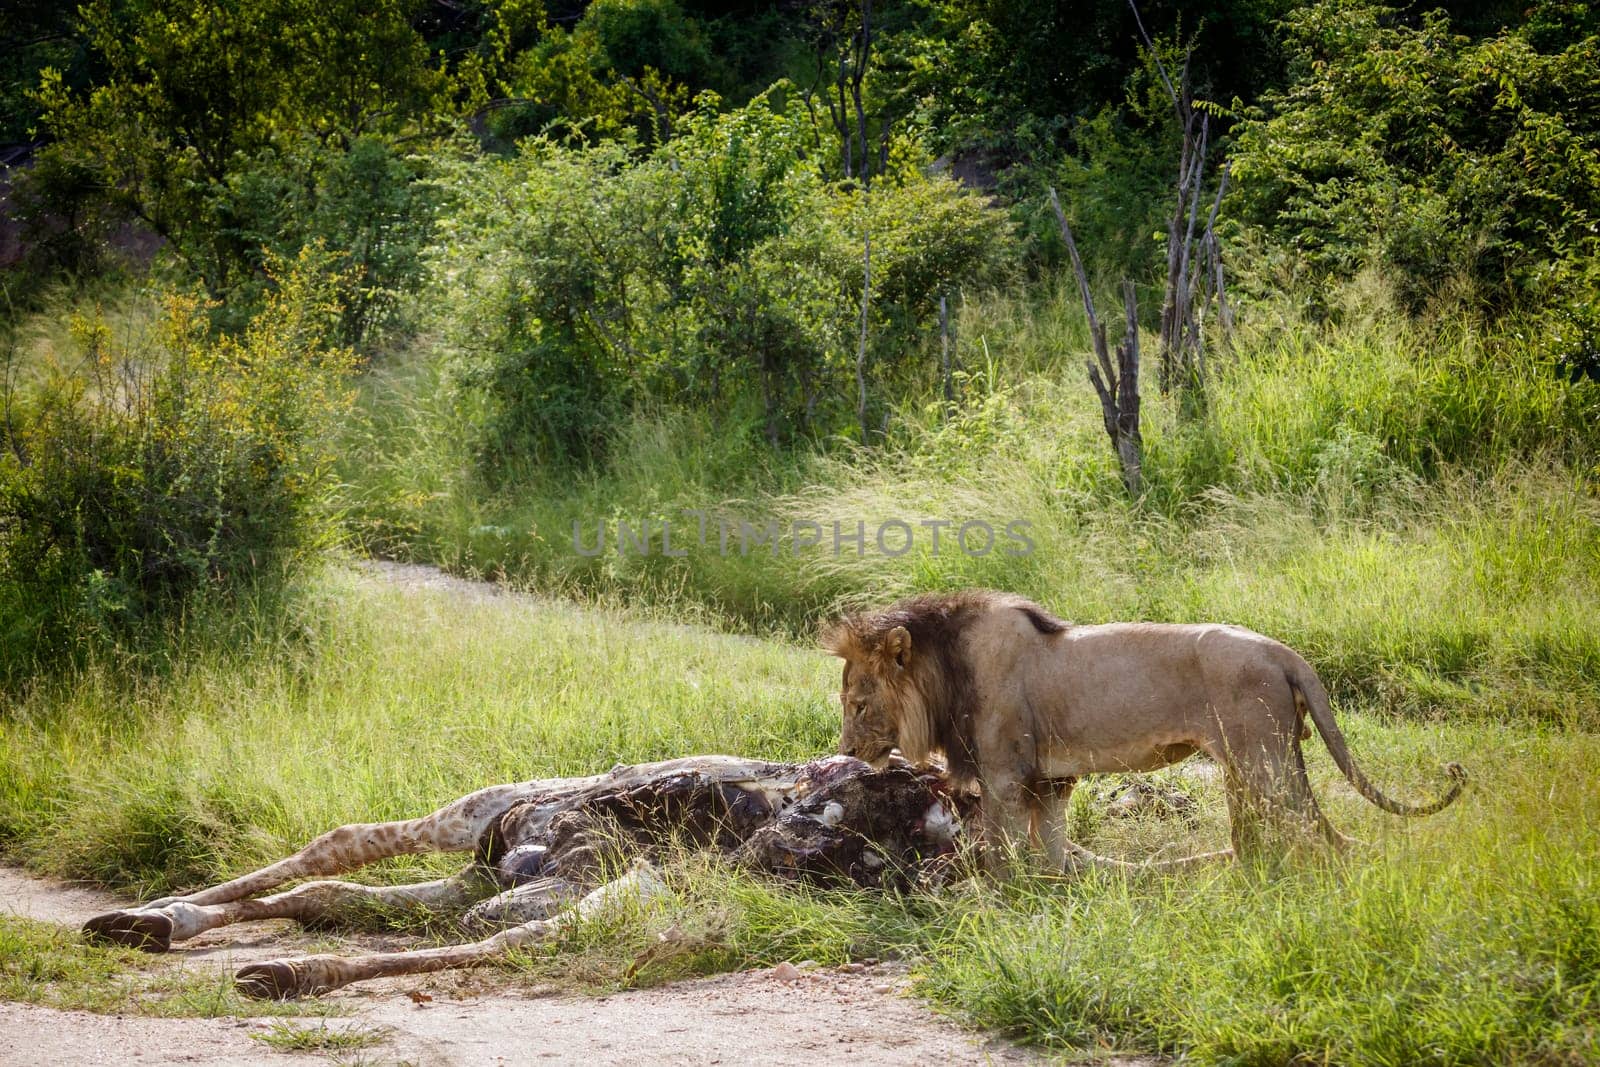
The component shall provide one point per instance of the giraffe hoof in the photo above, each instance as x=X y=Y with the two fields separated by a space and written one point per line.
x=147 y=930
x=267 y=981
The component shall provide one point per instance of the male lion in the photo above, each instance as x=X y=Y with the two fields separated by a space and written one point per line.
x=1025 y=704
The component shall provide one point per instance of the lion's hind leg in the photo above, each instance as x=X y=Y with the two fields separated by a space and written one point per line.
x=1312 y=810
x=1269 y=792
x=1246 y=815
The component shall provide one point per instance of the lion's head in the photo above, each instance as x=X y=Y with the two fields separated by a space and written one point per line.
x=878 y=694
x=906 y=683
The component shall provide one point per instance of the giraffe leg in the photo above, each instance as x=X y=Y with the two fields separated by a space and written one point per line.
x=312 y=975
x=455 y=827
x=154 y=929
x=1071 y=858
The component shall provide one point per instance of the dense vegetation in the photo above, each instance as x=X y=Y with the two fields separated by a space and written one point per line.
x=721 y=313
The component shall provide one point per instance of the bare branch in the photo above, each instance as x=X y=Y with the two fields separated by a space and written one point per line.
x=1117 y=385
x=1216 y=204
x=1077 y=264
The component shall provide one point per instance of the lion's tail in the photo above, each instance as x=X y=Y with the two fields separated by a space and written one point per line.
x=1313 y=698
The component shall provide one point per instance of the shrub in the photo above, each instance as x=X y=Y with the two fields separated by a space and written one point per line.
x=363 y=199
x=226 y=128
x=720 y=270
x=145 y=475
x=628 y=66
x=1441 y=156
x=60 y=208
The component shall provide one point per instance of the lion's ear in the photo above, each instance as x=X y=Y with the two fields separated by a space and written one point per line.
x=897 y=645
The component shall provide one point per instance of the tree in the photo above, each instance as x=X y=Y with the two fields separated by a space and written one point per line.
x=1017 y=77
x=199 y=101
x=1194 y=276
x=1115 y=383
x=34 y=34
x=628 y=65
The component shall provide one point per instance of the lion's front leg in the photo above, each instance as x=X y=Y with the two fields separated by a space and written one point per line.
x=1005 y=821
x=1051 y=799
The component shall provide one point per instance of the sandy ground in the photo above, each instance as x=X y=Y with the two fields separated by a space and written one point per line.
x=750 y=1018
x=45 y=1037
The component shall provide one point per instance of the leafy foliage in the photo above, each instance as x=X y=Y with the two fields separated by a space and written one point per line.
x=1118 y=182
x=1439 y=155
x=363 y=200
x=141 y=476
x=230 y=128
x=583 y=281
x=627 y=68
x=1018 y=76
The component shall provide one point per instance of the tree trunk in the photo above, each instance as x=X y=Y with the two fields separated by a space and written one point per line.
x=858 y=75
x=1194 y=266
x=945 y=341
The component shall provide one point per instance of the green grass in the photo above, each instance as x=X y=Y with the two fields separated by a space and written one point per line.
x=1414 y=507
x=371 y=703
x=289 y=1037
x=1471 y=938
x=1468 y=937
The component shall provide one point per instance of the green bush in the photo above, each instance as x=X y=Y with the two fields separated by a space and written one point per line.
x=720 y=270
x=363 y=199
x=148 y=473
x=59 y=206
x=1441 y=156
x=1116 y=186
x=233 y=129
x=629 y=67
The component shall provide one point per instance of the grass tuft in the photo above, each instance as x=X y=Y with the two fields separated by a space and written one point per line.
x=289 y=1037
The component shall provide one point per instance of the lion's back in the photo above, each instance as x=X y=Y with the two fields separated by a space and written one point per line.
x=1111 y=687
